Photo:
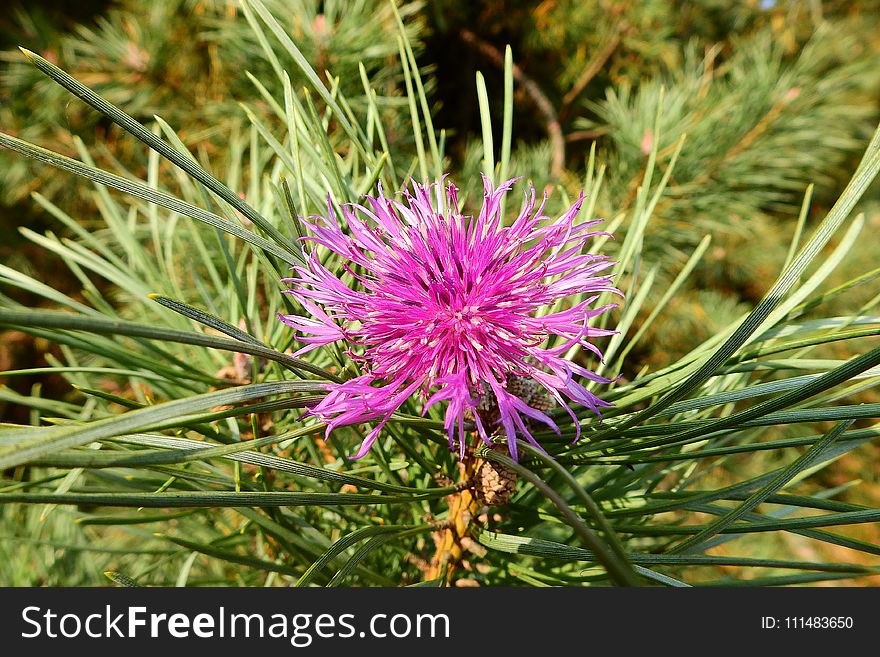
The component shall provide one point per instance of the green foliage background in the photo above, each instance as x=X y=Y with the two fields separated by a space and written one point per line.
x=768 y=99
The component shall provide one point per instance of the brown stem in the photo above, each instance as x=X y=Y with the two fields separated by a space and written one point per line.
x=599 y=59
x=583 y=135
x=542 y=103
x=448 y=538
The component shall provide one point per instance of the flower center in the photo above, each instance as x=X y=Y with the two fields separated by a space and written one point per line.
x=460 y=320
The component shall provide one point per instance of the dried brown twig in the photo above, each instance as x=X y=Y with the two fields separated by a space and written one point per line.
x=599 y=59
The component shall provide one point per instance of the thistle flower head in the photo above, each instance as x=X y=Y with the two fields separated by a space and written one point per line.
x=452 y=308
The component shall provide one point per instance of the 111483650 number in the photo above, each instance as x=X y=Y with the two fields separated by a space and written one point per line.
x=818 y=622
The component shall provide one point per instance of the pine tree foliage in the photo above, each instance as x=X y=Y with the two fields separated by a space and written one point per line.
x=753 y=122
x=187 y=60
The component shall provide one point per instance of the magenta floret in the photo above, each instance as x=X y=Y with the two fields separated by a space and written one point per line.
x=448 y=306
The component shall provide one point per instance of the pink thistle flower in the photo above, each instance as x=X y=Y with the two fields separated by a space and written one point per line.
x=452 y=304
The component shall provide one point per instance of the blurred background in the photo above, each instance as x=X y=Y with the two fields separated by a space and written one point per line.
x=773 y=96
